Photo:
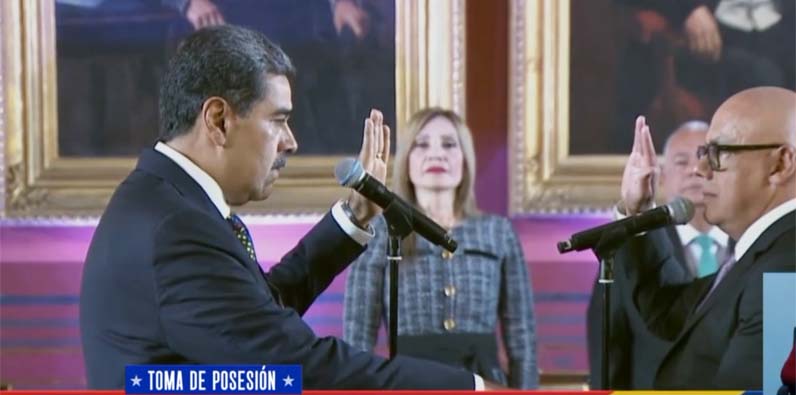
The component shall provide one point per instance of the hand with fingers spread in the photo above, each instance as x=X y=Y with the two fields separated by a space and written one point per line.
x=374 y=157
x=641 y=171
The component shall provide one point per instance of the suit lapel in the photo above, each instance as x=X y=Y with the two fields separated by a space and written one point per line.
x=729 y=284
x=159 y=165
x=677 y=245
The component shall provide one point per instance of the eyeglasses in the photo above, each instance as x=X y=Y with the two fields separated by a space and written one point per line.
x=713 y=151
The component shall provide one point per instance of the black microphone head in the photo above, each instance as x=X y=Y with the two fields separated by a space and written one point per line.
x=348 y=172
x=681 y=210
x=564 y=246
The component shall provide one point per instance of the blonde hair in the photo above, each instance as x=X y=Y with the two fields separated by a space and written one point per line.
x=464 y=204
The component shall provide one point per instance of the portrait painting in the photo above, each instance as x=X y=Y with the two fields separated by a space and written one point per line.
x=111 y=54
x=581 y=71
x=80 y=85
x=671 y=61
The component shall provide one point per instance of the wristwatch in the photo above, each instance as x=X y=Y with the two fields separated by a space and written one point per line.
x=353 y=218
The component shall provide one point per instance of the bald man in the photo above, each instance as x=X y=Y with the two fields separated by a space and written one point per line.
x=699 y=248
x=714 y=324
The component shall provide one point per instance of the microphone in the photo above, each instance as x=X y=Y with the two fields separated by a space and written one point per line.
x=350 y=173
x=678 y=211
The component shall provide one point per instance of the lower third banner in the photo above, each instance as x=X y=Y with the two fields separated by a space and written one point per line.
x=213 y=379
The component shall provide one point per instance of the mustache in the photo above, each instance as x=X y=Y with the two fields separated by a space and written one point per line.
x=280 y=162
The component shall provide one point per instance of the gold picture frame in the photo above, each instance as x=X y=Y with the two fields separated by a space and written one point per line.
x=39 y=183
x=544 y=176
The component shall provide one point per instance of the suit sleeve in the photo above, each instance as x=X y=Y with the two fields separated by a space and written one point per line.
x=516 y=314
x=364 y=293
x=309 y=268
x=663 y=308
x=213 y=310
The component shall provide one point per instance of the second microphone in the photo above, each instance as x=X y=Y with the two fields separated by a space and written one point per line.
x=350 y=173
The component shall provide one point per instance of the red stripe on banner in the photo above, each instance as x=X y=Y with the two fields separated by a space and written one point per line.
x=328 y=392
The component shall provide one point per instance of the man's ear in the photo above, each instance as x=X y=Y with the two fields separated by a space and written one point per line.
x=784 y=165
x=215 y=111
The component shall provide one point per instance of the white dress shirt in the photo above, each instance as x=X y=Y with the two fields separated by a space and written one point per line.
x=748 y=238
x=758 y=227
x=687 y=235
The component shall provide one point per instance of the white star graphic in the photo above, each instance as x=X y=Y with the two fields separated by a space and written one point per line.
x=136 y=381
x=288 y=381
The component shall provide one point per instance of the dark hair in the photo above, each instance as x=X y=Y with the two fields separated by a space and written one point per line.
x=226 y=61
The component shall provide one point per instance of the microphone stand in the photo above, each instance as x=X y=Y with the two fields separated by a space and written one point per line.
x=399 y=225
x=605 y=250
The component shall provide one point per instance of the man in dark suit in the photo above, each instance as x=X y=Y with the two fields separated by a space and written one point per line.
x=714 y=324
x=698 y=247
x=171 y=275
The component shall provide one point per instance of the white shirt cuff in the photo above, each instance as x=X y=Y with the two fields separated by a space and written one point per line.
x=618 y=214
x=360 y=236
x=479 y=383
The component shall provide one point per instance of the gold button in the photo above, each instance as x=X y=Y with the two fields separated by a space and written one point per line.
x=447 y=254
x=449 y=324
x=450 y=290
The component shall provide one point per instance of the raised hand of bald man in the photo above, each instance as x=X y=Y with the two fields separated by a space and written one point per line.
x=374 y=156
x=641 y=171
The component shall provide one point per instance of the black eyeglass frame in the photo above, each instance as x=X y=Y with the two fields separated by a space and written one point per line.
x=714 y=150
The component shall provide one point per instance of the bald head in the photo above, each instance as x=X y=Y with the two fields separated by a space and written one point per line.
x=688 y=130
x=758 y=116
x=757 y=172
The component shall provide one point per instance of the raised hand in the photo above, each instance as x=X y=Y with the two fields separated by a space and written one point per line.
x=374 y=156
x=641 y=171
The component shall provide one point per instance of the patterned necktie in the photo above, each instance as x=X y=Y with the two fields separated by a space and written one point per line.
x=242 y=233
x=708 y=264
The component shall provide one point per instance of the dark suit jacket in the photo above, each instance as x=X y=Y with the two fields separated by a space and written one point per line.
x=635 y=352
x=166 y=281
x=720 y=344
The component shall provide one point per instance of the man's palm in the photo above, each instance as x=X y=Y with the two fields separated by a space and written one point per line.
x=641 y=171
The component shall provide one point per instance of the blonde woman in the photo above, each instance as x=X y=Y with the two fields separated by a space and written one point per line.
x=450 y=305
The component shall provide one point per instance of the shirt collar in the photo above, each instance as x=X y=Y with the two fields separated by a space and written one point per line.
x=758 y=227
x=208 y=184
x=688 y=233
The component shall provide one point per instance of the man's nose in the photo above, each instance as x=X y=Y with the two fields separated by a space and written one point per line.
x=702 y=168
x=288 y=142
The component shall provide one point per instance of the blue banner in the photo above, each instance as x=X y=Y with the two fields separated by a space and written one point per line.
x=213 y=379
